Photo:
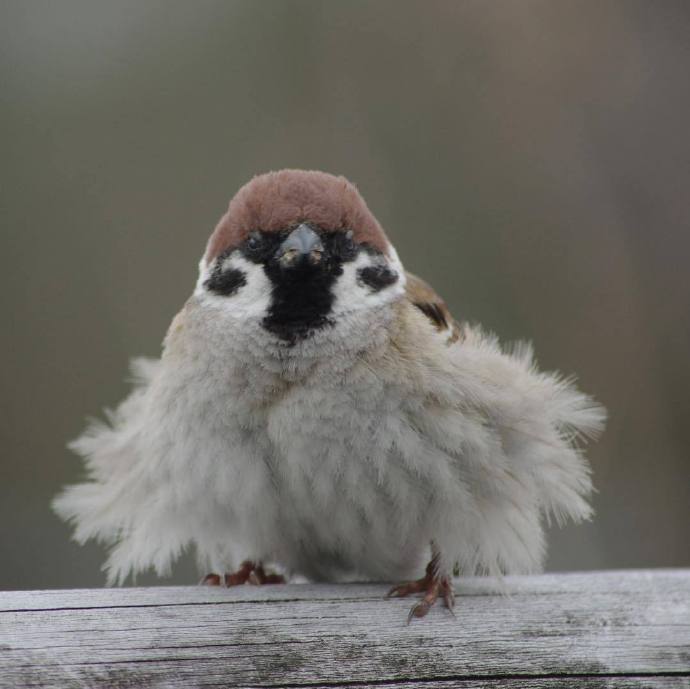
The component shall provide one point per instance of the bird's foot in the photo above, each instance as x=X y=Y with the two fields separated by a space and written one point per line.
x=432 y=585
x=248 y=573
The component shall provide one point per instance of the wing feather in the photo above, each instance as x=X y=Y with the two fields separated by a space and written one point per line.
x=423 y=296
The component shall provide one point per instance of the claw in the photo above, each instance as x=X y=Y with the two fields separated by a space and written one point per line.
x=448 y=596
x=418 y=610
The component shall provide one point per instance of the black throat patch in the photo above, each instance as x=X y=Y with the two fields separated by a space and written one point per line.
x=302 y=297
x=301 y=301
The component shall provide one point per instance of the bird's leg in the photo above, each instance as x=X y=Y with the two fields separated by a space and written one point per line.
x=241 y=576
x=259 y=576
x=432 y=585
x=249 y=572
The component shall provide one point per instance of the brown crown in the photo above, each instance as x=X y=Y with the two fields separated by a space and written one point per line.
x=279 y=200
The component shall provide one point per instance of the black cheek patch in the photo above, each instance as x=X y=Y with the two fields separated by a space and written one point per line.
x=377 y=277
x=226 y=282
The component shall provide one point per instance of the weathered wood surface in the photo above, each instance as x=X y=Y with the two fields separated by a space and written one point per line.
x=607 y=629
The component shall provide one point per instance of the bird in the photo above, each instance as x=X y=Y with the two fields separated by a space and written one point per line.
x=318 y=412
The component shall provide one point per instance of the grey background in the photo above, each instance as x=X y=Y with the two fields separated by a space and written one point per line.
x=531 y=159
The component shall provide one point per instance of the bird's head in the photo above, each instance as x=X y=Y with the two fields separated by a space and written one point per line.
x=298 y=251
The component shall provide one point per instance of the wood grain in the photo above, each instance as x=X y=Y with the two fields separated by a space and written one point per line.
x=599 y=629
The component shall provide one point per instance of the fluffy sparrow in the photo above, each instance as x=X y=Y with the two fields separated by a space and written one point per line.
x=316 y=407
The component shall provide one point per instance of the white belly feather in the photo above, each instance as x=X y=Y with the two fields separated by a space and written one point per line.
x=330 y=466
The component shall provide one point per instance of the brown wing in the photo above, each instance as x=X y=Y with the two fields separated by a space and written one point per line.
x=432 y=306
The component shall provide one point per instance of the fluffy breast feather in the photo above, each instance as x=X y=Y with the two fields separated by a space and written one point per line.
x=344 y=464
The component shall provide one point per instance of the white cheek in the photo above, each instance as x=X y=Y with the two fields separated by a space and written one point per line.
x=250 y=301
x=397 y=266
x=351 y=296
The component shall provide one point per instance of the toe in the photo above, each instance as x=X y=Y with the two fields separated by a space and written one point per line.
x=402 y=590
x=398 y=591
x=210 y=580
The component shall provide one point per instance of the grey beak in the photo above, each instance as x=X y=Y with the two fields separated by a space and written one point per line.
x=301 y=244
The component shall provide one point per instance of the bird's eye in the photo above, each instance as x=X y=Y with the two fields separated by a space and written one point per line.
x=347 y=246
x=254 y=242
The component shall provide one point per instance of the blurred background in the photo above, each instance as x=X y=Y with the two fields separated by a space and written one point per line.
x=531 y=160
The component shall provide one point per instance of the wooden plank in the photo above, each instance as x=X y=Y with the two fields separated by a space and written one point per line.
x=630 y=581
x=133 y=677
x=598 y=682
x=597 y=629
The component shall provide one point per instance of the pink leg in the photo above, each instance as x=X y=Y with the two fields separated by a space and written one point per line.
x=432 y=585
x=249 y=572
